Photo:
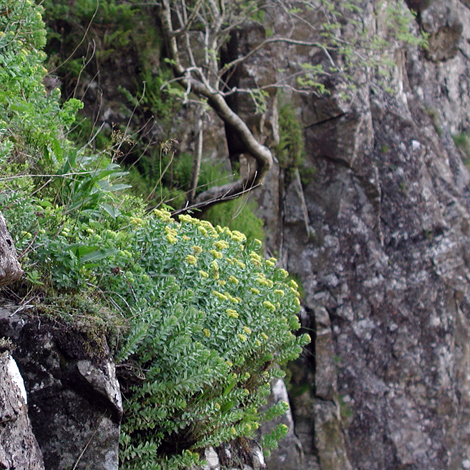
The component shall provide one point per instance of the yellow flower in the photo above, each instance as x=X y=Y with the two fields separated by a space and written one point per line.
x=269 y=305
x=197 y=249
x=258 y=243
x=233 y=280
x=255 y=256
x=163 y=215
x=137 y=221
x=294 y=291
x=293 y=284
x=232 y=313
x=254 y=290
x=219 y=295
x=185 y=218
x=204 y=274
x=247 y=330
x=234 y=300
x=221 y=282
x=215 y=265
x=171 y=230
x=190 y=259
x=238 y=236
x=185 y=238
x=221 y=245
x=239 y=263
x=279 y=292
x=264 y=336
x=202 y=230
x=297 y=301
x=216 y=254
x=171 y=239
x=242 y=337
x=206 y=332
x=284 y=273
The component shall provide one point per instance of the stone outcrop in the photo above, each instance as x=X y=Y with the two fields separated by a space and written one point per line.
x=383 y=254
x=74 y=398
x=10 y=269
x=18 y=446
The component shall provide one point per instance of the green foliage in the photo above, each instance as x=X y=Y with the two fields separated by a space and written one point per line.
x=462 y=142
x=238 y=214
x=220 y=318
x=31 y=120
x=290 y=150
x=208 y=320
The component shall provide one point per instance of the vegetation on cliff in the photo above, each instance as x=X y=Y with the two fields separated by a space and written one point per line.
x=208 y=320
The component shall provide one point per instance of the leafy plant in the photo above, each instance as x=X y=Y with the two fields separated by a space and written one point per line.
x=208 y=320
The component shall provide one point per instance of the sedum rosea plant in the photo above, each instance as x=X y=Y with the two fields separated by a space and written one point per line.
x=216 y=321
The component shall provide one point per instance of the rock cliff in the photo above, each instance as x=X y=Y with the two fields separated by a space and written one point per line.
x=379 y=236
x=377 y=231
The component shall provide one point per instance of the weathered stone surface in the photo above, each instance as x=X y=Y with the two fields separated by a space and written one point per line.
x=18 y=446
x=243 y=454
x=10 y=269
x=386 y=277
x=74 y=399
x=288 y=456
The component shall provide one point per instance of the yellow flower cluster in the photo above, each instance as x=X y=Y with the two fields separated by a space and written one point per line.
x=262 y=281
x=171 y=234
x=239 y=263
x=269 y=305
x=233 y=280
x=242 y=337
x=255 y=258
x=247 y=330
x=215 y=269
x=237 y=236
x=163 y=215
x=234 y=300
x=137 y=221
x=232 y=313
x=219 y=295
x=190 y=259
x=197 y=250
x=203 y=274
x=216 y=254
x=221 y=245
x=204 y=226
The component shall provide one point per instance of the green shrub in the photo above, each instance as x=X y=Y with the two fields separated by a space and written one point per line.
x=208 y=320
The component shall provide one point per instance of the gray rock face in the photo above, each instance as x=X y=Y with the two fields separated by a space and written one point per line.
x=10 y=269
x=74 y=398
x=383 y=254
x=18 y=446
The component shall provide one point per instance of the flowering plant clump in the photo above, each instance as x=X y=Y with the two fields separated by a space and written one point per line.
x=210 y=323
x=209 y=320
x=217 y=320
